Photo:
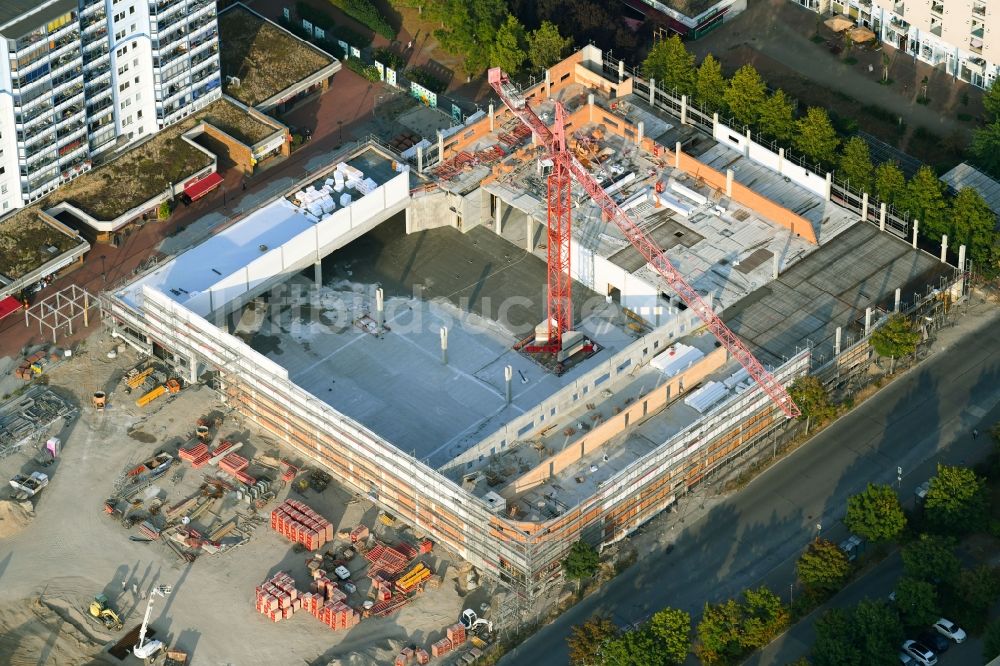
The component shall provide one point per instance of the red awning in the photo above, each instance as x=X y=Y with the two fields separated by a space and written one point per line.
x=204 y=186
x=9 y=306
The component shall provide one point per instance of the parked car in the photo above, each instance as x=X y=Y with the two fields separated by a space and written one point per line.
x=921 y=654
x=906 y=660
x=934 y=641
x=949 y=629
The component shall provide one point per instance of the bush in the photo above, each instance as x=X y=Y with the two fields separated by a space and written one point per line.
x=365 y=12
x=370 y=72
x=420 y=77
x=163 y=212
x=333 y=31
x=390 y=59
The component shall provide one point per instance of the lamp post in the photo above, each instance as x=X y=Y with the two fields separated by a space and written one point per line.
x=104 y=273
x=340 y=127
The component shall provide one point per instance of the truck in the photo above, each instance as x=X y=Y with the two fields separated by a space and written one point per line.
x=26 y=486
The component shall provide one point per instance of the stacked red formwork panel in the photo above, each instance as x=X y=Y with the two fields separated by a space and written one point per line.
x=422 y=656
x=441 y=648
x=456 y=634
x=278 y=598
x=297 y=522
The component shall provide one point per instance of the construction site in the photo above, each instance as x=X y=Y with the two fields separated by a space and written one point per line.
x=393 y=397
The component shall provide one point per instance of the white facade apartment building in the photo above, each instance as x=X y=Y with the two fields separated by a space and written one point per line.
x=79 y=78
x=961 y=37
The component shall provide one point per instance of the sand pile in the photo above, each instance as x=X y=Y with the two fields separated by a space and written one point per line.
x=14 y=517
x=34 y=633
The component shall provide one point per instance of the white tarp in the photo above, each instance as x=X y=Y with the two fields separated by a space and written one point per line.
x=708 y=395
x=676 y=358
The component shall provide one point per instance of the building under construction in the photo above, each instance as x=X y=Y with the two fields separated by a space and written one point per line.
x=378 y=317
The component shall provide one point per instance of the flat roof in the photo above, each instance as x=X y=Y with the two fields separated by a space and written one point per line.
x=25 y=239
x=19 y=17
x=396 y=384
x=238 y=123
x=266 y=58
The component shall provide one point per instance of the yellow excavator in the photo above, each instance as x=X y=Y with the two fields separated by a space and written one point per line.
x=101 y=611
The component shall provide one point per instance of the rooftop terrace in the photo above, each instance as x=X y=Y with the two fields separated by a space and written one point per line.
x=239 y=124
x=266 y=58
x=26 y=243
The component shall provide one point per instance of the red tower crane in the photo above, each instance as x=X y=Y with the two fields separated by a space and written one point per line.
x=565 y=165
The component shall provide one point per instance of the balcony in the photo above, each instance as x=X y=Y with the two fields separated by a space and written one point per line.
x=67 y=130
x=937 y=8
x=174 y=37
x=172 y=56
x=27 y=119
x=207 y=38
x=899 y=8
x=60 y=73
x=40 y=160
x=164 y=24
x=165 y=6
x=203 y=74
x=936 y=28
x=97 y=72
x=97 y=18
x=979 y=10
x=96 y=36
x=67 y=96
x=40 y=145
x=98 y=106
x=37 y=130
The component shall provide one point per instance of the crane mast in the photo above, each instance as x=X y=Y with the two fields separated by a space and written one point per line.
x=554 y=141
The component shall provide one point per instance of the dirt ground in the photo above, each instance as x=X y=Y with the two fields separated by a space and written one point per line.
x=72 y=550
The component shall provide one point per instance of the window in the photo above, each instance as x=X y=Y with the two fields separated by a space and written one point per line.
x=119 y=16
x=3 y=189
x=6 y=205
x=139 y=114
x=131 y=10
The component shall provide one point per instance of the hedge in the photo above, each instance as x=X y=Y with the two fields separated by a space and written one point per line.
x=326 y=22
x=365 y=12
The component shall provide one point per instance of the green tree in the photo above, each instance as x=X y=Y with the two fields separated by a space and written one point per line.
x=823 y=567
x=586 y=641
x=671 y=631
x=815 y=135
x=710 y=85
x=991 y=639
x=633 y=648
x=890 y=183
x=896 y=338
x=812 y=399
x=163 y=212
x=957 y=500
x=875 y=513
x=991 y=101
x=719 y=633
x=745 y=94
x=924 y=199
x=764 y=617
x=582 y=561
x=834 y=644
x=508 y=49
x=878 y=632
x=975 y=591
x=985 y=148
x=546 y=46
x=777 y=117
x=917 y=602
x=670 y=63
x=856 y=164
x=469 y=29
x=973 y=225
x=931 y=558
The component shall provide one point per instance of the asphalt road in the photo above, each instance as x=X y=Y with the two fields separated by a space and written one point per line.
x=754 y=536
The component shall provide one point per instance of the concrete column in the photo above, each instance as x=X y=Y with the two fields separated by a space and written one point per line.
x=781 y=160
x=829 y=185
x=881 y=217
x=529 y=241
x=715 y=122
x=868 y=321
x=776 y=265
x=621 y=71
x=86 y=310
x=493 y=120
x=899 y=297
x=729 y=182
x=864 y=206
x=652 y=91
x=836 y=342
x=192 y=369
x=916 y=228
x=498 y=215
x=961 y=257
x=440 y=146
x=420 y=159
x=746 y=147
x=684 y=109
x=508 y=375
x=640 y=128
x=318 y=273
x=379 y=311
x=548 y=84
x=677 y=155
x=590 y=106
x=944 y=248
x=444 y=345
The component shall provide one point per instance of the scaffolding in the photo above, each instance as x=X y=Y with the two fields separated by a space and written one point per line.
x=59 y=311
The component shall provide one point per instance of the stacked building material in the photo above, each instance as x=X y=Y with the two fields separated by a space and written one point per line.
x=422 y=656
x=405 y=657
x=278 y=598
x=233 y=463
x=389 y=606
x=406 y=549
x=290 y=471
x=385 y=559
x=426 y=546
x=441 y=648
x=193 y=452
x=148 y=530
x=297 y=522
x=359 y=533
x=224 y=448
x=413 y=578
x=456 y=634
x=338 y=615
x=328 y=603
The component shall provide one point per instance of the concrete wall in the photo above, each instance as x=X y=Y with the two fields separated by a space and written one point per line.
x=605 y=375
x=432 y=210
x=644 y=407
